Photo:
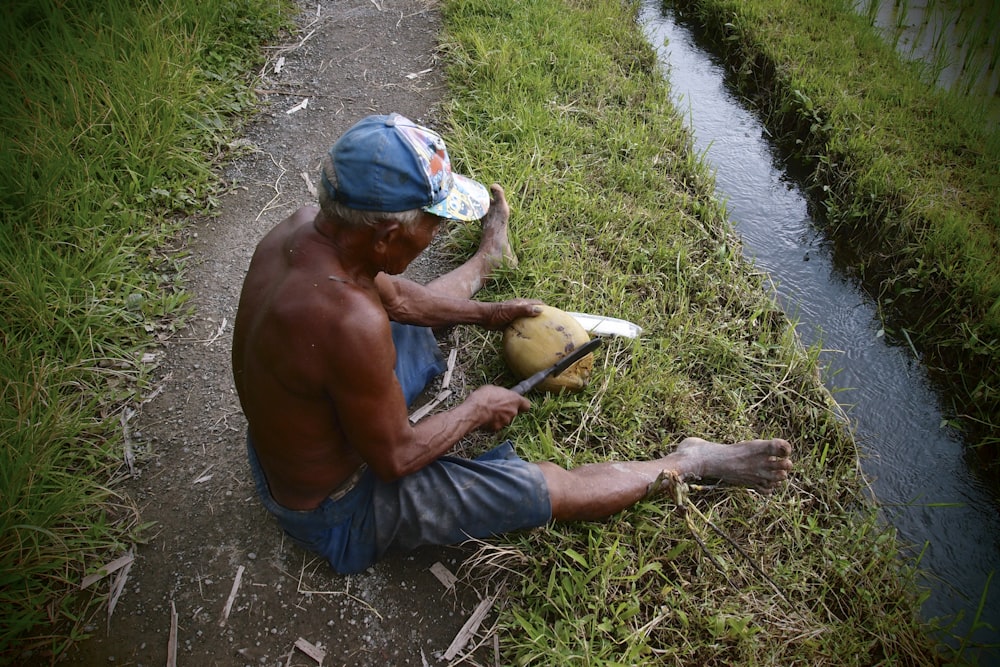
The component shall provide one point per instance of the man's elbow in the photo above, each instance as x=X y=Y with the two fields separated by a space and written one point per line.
x=393 y=460
x=390 y=471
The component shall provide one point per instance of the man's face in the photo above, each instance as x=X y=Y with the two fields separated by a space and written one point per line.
x=411 y=241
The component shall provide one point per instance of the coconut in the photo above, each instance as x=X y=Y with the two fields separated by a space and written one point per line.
x=531 y=344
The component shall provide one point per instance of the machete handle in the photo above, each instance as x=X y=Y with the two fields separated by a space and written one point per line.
x=526 y=385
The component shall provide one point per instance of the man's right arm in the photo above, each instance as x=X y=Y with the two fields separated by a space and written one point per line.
x=372 y=412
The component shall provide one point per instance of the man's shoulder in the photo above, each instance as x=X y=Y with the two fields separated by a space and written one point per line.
x=313 y=299
x=298 y=219
x=301 y=215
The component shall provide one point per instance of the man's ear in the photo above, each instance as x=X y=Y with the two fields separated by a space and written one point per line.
x=385 y=233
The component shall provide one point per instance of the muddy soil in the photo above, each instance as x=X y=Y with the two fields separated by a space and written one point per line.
x=351 y=58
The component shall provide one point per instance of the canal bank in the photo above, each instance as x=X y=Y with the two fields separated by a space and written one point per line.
x=613 y=211
x=917 y=462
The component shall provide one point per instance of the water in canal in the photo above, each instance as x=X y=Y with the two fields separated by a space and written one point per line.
x=914 y=461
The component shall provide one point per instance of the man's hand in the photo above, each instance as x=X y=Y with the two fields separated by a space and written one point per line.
x=504 y=312
x=499 y=406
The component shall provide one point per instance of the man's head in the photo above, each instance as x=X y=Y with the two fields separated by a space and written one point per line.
x=387 y=165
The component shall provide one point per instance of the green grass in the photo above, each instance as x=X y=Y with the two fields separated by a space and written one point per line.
x=613 y=212
x=111 y=117
x=113 y=114
x=908 y=172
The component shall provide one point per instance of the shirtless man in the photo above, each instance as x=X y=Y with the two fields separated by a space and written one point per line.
x=330 y=346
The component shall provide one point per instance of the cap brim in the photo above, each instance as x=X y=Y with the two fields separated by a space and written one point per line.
x=467 y=200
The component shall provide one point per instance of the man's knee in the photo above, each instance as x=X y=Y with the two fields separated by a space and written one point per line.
x=559 y=482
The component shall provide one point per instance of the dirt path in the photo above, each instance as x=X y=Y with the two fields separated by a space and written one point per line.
x=352 y=58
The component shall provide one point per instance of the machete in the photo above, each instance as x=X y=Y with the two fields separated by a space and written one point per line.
x=602 y=325
x=526 y=385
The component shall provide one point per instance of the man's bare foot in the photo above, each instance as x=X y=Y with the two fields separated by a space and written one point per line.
x=758 y=464
x=494 y=245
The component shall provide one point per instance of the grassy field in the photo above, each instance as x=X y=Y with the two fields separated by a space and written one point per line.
x=906 y=171
x=562 y=103
x=113 y=114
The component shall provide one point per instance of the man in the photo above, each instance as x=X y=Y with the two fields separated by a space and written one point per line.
x=330 y=345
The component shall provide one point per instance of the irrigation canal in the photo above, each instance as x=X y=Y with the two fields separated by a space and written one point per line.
x=915 y=463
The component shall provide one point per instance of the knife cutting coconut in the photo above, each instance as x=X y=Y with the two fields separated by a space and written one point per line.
x=550 y=351
x=331 y=344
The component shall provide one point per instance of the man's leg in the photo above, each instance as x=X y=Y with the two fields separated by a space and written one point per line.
x=494 y=247
x=599 y=490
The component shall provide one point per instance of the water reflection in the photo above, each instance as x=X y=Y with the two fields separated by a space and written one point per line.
x=915 y=462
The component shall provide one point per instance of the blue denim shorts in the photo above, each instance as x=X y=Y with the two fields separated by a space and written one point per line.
x=449 y=501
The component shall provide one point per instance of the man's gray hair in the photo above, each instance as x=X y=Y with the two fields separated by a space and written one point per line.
x=334 y=210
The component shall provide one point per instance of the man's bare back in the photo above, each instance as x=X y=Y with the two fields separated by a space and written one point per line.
x=291 y=290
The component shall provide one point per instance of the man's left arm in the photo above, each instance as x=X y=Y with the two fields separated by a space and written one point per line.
x=408 y=302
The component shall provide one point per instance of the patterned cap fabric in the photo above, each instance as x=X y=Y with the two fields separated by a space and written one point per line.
x=390 y=164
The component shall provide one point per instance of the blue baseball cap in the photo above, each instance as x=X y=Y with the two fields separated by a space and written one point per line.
x=390 y=164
